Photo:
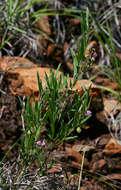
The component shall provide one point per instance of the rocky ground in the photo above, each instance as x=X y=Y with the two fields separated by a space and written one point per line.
x=100 y=143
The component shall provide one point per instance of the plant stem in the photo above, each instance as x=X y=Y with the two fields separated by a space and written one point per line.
x=80 y=177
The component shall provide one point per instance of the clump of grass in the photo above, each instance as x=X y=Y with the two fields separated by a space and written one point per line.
x=81 y=61
x=59 y=109
x=65 y=112
x=17 y=27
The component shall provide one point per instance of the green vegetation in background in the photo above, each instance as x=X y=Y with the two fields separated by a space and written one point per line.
x=114 y=70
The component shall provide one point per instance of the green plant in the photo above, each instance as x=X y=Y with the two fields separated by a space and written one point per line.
x=10 y=11
x=16 y=22
x=81 y=170
x=116 y=64
x=112 y=71
x=30 y=149
x=18 y=19
x=83 y=59
x=59 y=109
x=31 y=115
x=65 y=111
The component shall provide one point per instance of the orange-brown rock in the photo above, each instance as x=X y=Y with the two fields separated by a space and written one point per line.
x=74 y=21
x=111 y=106
x=22 y=76
x=12 y=63
x=70 y=66
x=99 y=165
x=118 y=55
x=76 y=158
x=55 y=169
x=107 y=82
x=51 y=49
x=26 y=79
x=81 y=147
x=112 y=148
x=43 y=24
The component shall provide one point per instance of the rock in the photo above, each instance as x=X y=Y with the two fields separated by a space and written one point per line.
x=70 y=66
x=82 y=83
x=76 y=158
x=25 y=80
x=102 y=140
x=51 y=49
x=43 y=24
x=55 y=52
x=113 y=85
x=111 y=106
x=114 y=163
x=81 y=147
x=97 y=156
x=22 y=76
x=101 y=117
x=102 y=81
x=73 y=179
x=73 y=153
x=55 y=169
x=12 y=63
x=99 y=166
x=112 y=148
x=118 y=55
x=75 y=21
